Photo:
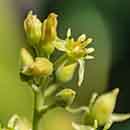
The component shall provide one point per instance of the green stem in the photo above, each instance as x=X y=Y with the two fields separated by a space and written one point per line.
x=77 y=110
x=60 y=61
x=35 y=113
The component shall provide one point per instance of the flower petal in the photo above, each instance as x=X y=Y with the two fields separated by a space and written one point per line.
x=88 y=57
x=90 y=50
x=115 y=117
x=81 y=72
x=60 y=45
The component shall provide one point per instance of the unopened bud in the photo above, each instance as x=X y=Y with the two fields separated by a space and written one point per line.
x=26 y=57
x=104 y=106
x=49 y=27
x=26 y=61
x=65 y=73
x=65 y=97
x=49 y=34
x=32 y=26
x=41 y=67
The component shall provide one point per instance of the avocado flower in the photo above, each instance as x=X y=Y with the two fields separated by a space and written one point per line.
x=76 y=51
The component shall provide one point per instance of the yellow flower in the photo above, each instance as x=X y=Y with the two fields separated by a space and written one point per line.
x=76 y=49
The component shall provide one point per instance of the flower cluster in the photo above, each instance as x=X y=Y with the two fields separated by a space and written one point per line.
x=43 y=40
x=45 y=73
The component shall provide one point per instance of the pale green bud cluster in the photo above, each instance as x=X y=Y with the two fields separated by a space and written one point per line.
x=41 y=35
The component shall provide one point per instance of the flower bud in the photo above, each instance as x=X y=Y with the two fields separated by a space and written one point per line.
x=49 y=27
x=41 y=66
x=104 y=106
x=65 y=97
x=32 y=26
x=49 y=34
x=26 y=61
x=65 y=73
x=26 y=57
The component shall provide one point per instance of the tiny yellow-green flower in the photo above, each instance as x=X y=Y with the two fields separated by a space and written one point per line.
x=76 y=49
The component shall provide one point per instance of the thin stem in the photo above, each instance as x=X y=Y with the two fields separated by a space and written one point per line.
x=60 y=61
x=77 y=110
x=35 y=113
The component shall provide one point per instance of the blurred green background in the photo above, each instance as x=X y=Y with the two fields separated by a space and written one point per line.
x=107 y=21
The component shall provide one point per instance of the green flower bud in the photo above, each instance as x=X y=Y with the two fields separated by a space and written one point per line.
x=49 y=27
x=41 y=67
x=104 y=106
x=26 y=61
x=32 y=26
x=65 y=73
x=49 y=34
x=26 y=57
x=65 y=97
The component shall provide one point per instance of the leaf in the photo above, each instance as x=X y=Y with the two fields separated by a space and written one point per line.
x=115 y=117
x=81 y=72
x=81 y=127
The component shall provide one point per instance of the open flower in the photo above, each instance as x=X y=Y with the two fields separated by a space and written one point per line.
x=77 y=51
